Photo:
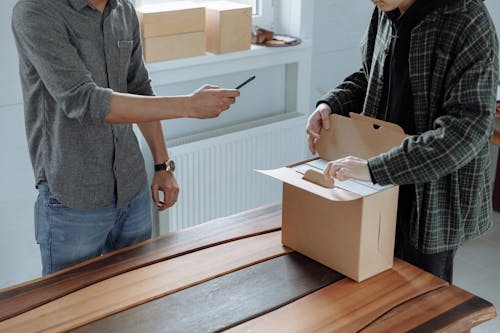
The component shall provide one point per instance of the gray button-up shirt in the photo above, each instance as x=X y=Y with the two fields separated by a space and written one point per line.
x=71 y=59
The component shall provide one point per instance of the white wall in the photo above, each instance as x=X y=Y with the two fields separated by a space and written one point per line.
x=19 y=256
x=335 y=55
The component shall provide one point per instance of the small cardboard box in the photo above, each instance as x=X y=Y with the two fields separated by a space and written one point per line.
x=174 y=46
x=228 y=26
x=171 y=18
x=172 y=30
x=347 y=226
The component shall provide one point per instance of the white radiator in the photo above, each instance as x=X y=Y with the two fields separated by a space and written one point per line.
x=215 y=170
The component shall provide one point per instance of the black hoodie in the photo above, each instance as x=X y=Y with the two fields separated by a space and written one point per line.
x=396 y=104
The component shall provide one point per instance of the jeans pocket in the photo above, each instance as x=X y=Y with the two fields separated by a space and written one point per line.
x=52 y=201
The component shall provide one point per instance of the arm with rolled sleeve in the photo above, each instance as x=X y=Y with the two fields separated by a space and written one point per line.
x=44 y=42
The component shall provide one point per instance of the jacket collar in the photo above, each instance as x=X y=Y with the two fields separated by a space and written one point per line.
x=455 y=6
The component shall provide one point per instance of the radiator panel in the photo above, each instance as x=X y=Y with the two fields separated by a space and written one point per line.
x=216 y=175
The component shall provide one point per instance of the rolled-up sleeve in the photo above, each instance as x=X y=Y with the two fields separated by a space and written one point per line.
x=43 y=41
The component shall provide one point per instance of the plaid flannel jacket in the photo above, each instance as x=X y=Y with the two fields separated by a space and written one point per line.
x=453 y=65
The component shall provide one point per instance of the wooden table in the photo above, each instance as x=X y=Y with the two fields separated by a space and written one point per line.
x=233 y=274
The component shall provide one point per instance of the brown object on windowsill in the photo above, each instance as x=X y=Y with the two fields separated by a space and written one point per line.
x=282 y=40
x=261 y=35
x=264 y=37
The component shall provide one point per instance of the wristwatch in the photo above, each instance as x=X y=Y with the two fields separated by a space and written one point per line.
x=168 y=165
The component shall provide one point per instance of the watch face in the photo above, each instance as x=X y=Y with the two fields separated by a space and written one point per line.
x=171 y=165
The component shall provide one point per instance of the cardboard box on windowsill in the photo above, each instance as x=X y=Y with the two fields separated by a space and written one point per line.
x=351 y=226
x=172 y=30
x=228 y=26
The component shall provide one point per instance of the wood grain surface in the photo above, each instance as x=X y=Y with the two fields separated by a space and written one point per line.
x=444 y=310
x=21 y=298
x=225 y=301
x=347 y=306
x=145 y=284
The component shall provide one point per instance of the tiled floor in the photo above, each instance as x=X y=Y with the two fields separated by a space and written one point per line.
x=477 y=270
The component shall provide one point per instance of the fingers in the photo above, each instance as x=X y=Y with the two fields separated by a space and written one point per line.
x=312 y=130
x=170 y=196
x=312 y=137
x=349 y=167
x=165 y=190
x=343 y=174
x=227 y=93
x=229 y=100
x=209 y=86
x=337 y=170
x=154 y=194
x=325 y=118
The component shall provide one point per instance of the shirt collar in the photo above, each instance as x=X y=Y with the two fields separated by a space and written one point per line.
x=80 y=4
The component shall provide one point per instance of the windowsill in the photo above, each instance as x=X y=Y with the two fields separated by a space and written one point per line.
x=186 y=69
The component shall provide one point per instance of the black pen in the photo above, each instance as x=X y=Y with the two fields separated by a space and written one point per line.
x=241 y=85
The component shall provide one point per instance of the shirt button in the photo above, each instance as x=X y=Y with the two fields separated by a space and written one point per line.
x=116 y=140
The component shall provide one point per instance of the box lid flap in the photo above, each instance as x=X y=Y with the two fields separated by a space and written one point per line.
x=359 y=136
x=292 y=177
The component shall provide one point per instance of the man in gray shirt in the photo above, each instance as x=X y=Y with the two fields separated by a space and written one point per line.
x=84 y=82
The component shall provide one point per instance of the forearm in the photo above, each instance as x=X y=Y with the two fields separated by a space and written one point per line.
x=153 y=134
x=128 y=108
x=433 y=154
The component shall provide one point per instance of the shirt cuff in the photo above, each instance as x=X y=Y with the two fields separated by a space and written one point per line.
x=378 y=171
x=372 y=177
x=100 y=104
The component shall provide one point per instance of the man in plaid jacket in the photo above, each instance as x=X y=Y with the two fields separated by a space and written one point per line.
x=430 y=66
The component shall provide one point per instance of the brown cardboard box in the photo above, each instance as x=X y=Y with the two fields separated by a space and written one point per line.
x=172 y=30
x=228 y=26
x=174 y=46
x=350 y=227
x=171 y=18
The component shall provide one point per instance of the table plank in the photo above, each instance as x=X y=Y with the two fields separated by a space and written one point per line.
x=21 y=298
x=225 y=301
x=145 y=284
x=448 y=309
x=347 y=306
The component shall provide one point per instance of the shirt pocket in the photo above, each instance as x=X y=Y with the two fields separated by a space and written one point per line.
x=124 y=55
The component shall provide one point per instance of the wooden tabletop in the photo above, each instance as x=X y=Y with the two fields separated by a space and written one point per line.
x=233 y=274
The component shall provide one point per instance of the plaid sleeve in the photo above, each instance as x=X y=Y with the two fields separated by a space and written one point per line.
x=466 y=123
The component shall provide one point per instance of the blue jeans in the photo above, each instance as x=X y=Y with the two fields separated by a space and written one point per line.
x=69 y=236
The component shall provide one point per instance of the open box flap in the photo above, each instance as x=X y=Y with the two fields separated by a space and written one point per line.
x=359 y=136
x=292 y=177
